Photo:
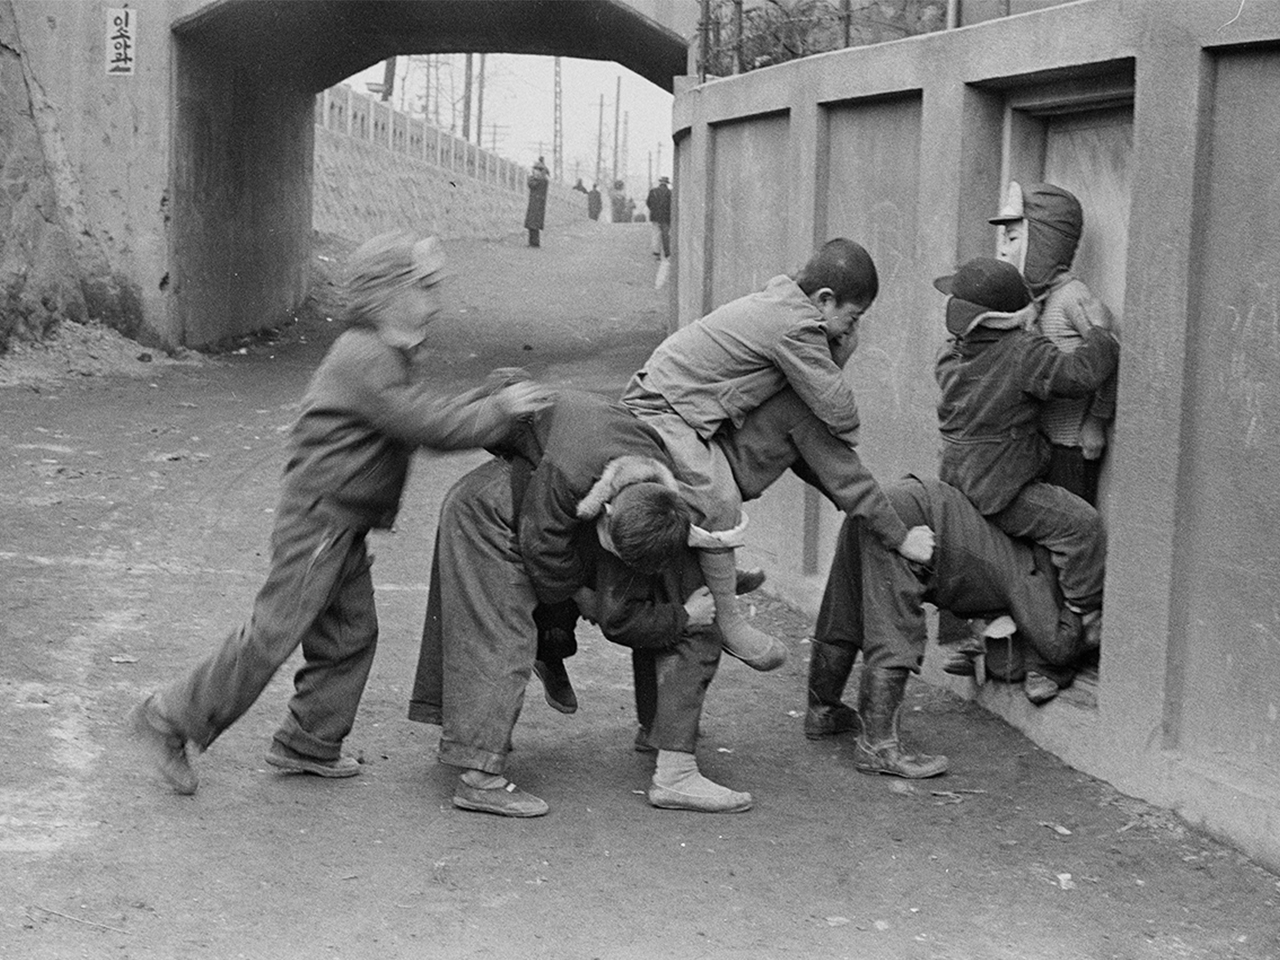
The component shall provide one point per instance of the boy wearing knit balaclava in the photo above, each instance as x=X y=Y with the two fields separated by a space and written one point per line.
x=1040 y=230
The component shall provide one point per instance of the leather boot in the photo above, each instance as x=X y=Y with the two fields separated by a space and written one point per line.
x=878 y=749
x=829 y=667
x=756 y=649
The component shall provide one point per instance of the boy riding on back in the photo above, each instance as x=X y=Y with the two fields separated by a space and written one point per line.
x=708 y=376
x=995 y=376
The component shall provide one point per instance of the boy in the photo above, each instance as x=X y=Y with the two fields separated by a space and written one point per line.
x=362 y=418
x=710 y=375
x=1040 y=229
x=584 y=508
x=995 y=377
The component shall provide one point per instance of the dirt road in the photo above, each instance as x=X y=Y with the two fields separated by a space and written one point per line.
x=134 y=512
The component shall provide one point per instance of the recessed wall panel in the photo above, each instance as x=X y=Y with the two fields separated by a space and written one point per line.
x=872 y=173
x=750 y=212
x=1228 y=649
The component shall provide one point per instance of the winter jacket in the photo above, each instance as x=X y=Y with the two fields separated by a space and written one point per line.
x=723 y=366
x=363 y=415
x=576 y=442
x=994 y=383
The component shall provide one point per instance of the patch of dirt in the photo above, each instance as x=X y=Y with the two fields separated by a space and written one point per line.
x=84 y=350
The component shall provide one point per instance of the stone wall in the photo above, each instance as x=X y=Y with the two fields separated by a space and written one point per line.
x=37 y=270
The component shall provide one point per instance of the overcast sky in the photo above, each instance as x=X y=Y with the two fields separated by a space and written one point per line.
x=519 y=98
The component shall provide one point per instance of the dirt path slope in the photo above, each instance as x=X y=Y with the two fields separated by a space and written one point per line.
x=134 y=513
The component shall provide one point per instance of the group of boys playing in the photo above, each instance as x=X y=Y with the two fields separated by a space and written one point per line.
x=629 y=514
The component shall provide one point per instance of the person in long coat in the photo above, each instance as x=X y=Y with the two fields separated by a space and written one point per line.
x=595 y=203
x=535 y=214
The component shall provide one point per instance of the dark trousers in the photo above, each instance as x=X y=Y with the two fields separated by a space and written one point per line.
x=318 y=594
x=874 y=598
x=479 y=639
x=1069 y=529
x=534 y=237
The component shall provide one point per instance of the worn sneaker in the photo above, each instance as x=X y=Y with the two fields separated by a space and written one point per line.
x=291 y=761
x=700 y=795
x=556 y=686
x=165 y=744
x=747 y=581
x=506 y=800
x=1039 y=688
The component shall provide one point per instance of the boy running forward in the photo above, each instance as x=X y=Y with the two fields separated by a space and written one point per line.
x=995 y=377
x=363 y=416
x=708 y=376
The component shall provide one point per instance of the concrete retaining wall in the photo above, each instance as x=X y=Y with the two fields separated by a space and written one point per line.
x=418 y=178
x=1153 y=112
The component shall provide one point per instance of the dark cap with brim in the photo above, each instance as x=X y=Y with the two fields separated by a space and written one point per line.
x=982 y=285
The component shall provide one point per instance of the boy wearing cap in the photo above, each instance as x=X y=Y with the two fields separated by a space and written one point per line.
x=363 y=416
x=995 y=377
x=704 y=381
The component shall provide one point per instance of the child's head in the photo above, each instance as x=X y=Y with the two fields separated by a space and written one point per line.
x=393 y=285
x=645 y=525
x=1040 y=229
x=841 y=281
x=845 y=269
x=984 y=292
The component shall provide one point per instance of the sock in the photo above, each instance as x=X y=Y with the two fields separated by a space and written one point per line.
x=679 y=771
x=482 y=780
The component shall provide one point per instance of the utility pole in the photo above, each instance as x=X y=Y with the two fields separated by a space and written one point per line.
x=388 y=77
x=466 y=102
x=436 y=63
x=617 y=107
x=600 y=142
x=659 y=158
x=626 y=153
x=480 y=106
x=557 y=135
x=426 y=92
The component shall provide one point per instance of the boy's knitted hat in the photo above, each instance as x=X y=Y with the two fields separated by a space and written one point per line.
x=1054 y=222
x=980 y=288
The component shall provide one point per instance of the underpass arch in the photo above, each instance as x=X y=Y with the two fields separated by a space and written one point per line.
x=246 y=73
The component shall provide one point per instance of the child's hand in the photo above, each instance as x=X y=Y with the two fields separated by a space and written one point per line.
x=588 y=605
x=701 y=608
x=918 y=546
x=524 y=397
x=1093 y=438
x=1092 y=313
x=506 y=376
x=842 y=348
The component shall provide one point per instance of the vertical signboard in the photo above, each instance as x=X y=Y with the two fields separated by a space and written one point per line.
x=121 y=37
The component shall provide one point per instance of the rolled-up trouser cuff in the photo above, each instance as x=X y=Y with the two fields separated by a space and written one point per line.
x=471 y=758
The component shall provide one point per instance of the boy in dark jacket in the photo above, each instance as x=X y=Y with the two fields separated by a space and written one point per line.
x=552 y=522
x=363 y=416
x=995 y=376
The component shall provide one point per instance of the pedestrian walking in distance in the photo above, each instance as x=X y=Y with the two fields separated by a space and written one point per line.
x=535 y=214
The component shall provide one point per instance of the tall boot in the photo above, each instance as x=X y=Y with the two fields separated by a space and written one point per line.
x=878 y=749
x=756 y=649
x=829 y=667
